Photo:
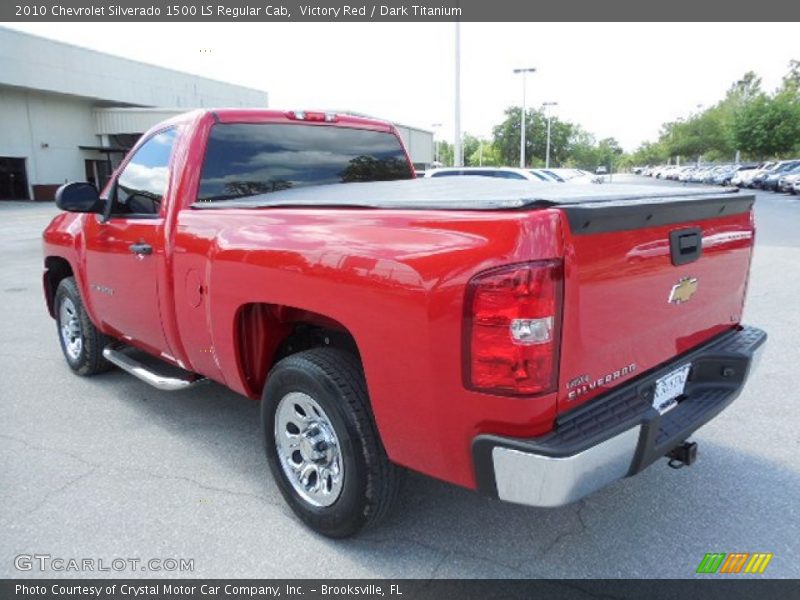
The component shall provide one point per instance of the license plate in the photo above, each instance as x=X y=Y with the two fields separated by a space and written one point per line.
x=669 y=388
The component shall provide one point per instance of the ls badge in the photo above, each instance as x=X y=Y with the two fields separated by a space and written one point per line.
x=683 y=290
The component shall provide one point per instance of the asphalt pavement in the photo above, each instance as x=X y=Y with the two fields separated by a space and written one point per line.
x=108 y=468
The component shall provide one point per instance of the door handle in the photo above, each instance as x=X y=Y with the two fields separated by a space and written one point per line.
x=686 y=245
x=141 y=249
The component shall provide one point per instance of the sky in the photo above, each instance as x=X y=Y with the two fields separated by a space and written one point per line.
x=619 y=80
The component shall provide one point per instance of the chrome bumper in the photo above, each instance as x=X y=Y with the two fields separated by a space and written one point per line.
x=527 y=478
x=618 y=434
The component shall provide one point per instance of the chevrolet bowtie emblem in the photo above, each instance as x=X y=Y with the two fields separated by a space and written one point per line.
x=683 y=290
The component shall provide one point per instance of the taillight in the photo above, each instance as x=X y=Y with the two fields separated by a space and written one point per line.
x=309 y=115
x=512 y=329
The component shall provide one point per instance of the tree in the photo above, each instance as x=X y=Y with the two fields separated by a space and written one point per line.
x=470 y=145
x=648 y=153
x=769 y=126
x=569 y=144
x=747 y=119
x=608 y=153
x=791 y=81
x=446 y=153
x=485 y=154
x=506 y=136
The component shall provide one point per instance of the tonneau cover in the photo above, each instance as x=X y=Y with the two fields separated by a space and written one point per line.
x=469 y=193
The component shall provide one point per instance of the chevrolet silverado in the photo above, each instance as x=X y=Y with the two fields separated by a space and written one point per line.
x=532 y=341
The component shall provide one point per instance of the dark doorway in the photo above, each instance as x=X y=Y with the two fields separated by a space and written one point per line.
x=13 y=179
x=98 y=172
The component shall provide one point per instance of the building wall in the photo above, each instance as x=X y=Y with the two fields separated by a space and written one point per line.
x=29 y=61
x=47 y=129
x=419 y=143
x=55 y=97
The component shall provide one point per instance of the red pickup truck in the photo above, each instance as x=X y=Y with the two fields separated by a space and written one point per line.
x=532 y=341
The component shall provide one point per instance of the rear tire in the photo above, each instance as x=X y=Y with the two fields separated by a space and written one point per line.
x=322 y=444
x=81 y=342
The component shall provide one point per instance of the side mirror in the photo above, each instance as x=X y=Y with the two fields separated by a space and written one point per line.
x=80 y=197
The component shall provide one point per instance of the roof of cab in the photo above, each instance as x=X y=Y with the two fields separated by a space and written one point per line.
x=264 y=115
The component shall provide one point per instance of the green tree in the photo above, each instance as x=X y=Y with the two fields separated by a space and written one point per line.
x=506 y=136
x=445 y=152
x=485 y=154
x=648 y=153
x=569 y=144
x=769 y=126
x=469 y=145
x=746 y=119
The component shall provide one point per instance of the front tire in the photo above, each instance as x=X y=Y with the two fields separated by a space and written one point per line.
x=322 y=444
x=81 y=342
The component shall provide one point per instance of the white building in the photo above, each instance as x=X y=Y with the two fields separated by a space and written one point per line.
x=68 y=113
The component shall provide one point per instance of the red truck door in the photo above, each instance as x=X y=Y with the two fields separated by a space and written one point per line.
x=125 y=254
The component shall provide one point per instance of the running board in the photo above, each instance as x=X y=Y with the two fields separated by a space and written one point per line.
x=156 y=372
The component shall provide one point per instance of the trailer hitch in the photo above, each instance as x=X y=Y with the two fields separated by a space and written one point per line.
x=684 y=455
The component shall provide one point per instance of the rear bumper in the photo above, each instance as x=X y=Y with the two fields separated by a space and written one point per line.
x=618 y=434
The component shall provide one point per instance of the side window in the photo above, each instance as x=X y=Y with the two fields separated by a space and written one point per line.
x=142 y=183
x=509 y=175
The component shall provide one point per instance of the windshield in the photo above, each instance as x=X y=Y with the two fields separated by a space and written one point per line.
x=245 y=159
x=553 y=175
x=539 y=175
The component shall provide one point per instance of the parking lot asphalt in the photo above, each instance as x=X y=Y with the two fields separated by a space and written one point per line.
x=107 y=467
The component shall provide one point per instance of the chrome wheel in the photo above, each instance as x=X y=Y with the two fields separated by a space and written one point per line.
x=70 y=326
x=308 y=449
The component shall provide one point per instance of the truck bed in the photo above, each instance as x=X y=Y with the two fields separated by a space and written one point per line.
x=590 y=209
x=469 y=193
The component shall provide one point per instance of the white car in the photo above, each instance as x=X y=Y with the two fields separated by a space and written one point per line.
x=501 y=172
x=751 y=175
x=546 y=176
x=571 y=175
x=787 y=183
x=740 y=178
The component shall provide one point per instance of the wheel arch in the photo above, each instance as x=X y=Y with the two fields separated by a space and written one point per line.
x=56 y=268
x=265 y=333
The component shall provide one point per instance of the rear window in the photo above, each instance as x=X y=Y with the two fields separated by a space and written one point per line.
x=244 y=159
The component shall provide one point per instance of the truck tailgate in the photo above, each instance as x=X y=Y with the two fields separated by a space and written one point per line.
x=646 y=281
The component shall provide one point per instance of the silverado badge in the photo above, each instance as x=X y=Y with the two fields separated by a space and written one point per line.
x=683 y=290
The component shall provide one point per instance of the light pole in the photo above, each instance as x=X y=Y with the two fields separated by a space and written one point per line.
x=436 y=127
x=524 y=72
x=546 y=106
x=458 y=159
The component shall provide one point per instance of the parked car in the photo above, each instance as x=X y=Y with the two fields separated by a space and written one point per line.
x=546 y=176
x=740 y=178
x=786 y=181
x=748 y=178
x=699 y=174
x=552 y=174
x=686 y=174
x=770 y=182
x=498 y=172
x=571 y=175
x=722 y=175
x=466 y=328
x=760 y=178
